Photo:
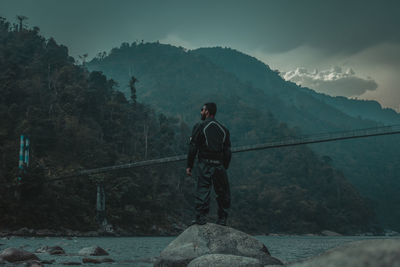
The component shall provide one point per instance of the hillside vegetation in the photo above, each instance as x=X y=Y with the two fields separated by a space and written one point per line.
x=77 y=119
x=286 y=186
x=175 y=80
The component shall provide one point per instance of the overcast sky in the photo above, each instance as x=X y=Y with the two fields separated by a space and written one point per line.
x=349 y=48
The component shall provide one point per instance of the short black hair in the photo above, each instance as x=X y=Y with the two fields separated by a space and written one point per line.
x=211 y=107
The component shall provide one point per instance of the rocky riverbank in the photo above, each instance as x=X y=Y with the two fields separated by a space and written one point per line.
x=365 y=253
x=144 y=251
x=19 y=256
x=119 y=232
x=214 y=245
x=59 y=233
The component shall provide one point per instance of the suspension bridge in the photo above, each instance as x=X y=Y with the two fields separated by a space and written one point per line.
x=289 y=141
x=293 y=141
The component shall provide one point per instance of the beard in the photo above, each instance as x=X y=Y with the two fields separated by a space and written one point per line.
x=203 y=117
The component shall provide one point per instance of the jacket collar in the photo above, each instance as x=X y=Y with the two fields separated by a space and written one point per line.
x=209 y=119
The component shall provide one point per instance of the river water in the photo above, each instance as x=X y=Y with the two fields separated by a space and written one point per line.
x=138 y=251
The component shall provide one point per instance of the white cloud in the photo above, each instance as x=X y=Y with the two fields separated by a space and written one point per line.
x=381 y=62
x=334 y=81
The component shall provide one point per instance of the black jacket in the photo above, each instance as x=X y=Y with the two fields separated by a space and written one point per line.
x=212 y=141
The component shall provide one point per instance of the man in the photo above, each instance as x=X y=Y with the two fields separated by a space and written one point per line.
x=211 y=141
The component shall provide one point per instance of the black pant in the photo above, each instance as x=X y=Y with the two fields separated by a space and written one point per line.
x=209 y=174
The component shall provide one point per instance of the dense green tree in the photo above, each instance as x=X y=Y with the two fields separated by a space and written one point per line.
x=132 y=87
x=76 y=119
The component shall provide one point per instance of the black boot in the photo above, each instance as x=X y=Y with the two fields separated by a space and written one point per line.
x=222 y=218
x=200 y=220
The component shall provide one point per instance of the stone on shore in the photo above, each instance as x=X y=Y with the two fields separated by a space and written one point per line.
x=70 y=263
x=24 y=232
x=97 y=261
x=47 y=232
x=92 y=251
x=329 y=233
x=55 y=250
x=199 y=240
x=224 y=260
x=17 y=255
x=377 y=253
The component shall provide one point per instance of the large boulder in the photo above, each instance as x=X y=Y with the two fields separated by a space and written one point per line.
x=55 y=250
x=377 y=253
x=224 y=260
x=199 y=240
x=17 y=255
x=93 y=251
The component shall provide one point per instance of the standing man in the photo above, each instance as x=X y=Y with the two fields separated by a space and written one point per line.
x=211 y=141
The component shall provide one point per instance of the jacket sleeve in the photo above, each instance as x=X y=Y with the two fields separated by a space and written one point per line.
x=193 y=145
x=227 y=153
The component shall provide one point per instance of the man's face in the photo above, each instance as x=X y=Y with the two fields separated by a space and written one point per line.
x=204 y=113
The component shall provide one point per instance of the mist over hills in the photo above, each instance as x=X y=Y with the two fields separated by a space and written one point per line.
x=177 y=81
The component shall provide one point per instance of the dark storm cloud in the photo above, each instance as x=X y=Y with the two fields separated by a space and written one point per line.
x=285 y=34
x=341 y=26
x=273 y=26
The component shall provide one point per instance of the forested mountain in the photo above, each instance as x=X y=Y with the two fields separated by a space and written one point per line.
x=178 y=81
x=250 y=70
x=76 y=119
x=370 y=164
x=283 y=185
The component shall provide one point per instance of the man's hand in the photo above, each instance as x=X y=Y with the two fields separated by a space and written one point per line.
x=189 y=171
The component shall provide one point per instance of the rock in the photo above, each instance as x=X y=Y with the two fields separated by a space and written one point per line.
x=97 y=261
x=56 y=250
x=48 y=261
x=91 y=234
x=377 y=253
x=70 y=263
x=69 y=232
x=391 y=233
x=274 y=234
x=92 y=251
x=45 y=232
x=107 y=260
x=16 y=255
x=211 y=238
x=34 y=264
x=224 y=260
x=41 y=249
x=329 y=233
x=309 y=234
x=24 y=232
x=89 y=260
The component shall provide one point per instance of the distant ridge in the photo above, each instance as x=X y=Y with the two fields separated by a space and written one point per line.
x=175 y=81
